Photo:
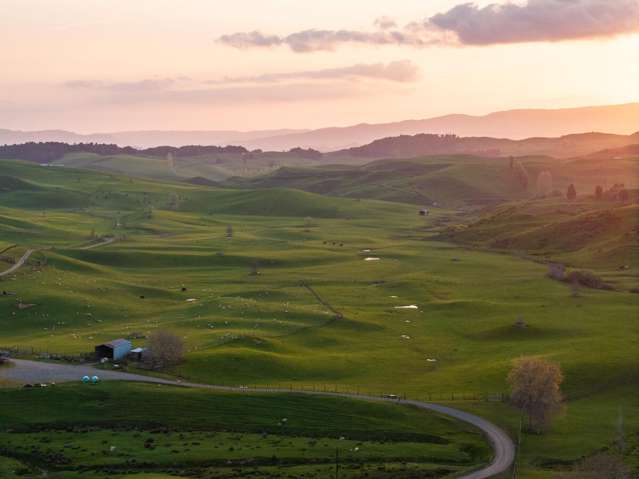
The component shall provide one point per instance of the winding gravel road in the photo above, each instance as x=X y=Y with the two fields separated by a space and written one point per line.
x=18 y=263
x=102 y=242
x=23 y=371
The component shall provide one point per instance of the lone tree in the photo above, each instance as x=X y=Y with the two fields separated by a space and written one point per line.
x=535 y=389
x=164 y=349
x=229 y=231
x=571 y=194
x=598 y=192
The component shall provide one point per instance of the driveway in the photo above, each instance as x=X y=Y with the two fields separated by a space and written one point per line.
x=23 y=371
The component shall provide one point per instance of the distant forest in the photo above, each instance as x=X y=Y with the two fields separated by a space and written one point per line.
x=46 y=152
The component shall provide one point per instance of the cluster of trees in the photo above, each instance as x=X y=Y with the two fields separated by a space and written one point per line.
x=518 y=171
x=617 y=192
x=415 y=145
x=192 y=150
x=308 y=153
x=47 y=152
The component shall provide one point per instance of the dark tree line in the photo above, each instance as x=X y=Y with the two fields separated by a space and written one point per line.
x=193 y=150
x=46 y=152
x=410 y=145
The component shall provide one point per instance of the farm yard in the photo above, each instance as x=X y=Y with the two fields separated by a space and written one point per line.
x=117 y=257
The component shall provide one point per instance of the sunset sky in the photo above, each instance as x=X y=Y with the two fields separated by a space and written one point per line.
x=108 y=65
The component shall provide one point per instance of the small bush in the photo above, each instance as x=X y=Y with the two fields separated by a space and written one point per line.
x=586 y=279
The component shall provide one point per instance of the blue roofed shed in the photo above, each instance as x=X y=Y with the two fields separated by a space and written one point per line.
x=115 y=350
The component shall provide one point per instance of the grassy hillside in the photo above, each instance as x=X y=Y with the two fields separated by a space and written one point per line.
x=587 y=233
x=445 y=180
x=451 y=181
x=36 y=187
x=217 y=167
x=190 y=163
x=242 y=328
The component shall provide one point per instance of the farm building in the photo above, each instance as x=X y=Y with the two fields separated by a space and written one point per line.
x=136 y=354
x=423 y=212
x=116 y=349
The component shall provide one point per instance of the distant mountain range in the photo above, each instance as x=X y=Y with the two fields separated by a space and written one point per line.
x=512 y=124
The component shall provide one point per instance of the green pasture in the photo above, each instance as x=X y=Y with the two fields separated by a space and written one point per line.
x=123 y=429
x=242 y=328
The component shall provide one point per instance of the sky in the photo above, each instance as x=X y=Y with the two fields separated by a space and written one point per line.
x=113 y=65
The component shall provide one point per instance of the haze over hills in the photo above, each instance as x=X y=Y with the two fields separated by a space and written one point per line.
x=143 y=139
x=512 y=124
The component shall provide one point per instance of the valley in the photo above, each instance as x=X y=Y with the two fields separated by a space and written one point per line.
x=224 y=268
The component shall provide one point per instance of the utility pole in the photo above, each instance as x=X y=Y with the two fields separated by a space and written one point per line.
x=518 y=447
x=621 y=436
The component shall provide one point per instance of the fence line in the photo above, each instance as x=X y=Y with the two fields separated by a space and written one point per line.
x=30 y=351
x=321 y=300
x=435 y=396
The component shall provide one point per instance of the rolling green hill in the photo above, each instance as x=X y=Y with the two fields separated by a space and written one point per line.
x=212 y=163
x=586 y=233
x=211 y=167
x=173 y=266
x=450 y=181
x=45 y=188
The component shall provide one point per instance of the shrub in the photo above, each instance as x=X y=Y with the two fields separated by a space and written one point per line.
x=165 y=349
x=586 y=279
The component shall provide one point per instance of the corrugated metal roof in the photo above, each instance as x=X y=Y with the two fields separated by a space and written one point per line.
x=117 y=342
